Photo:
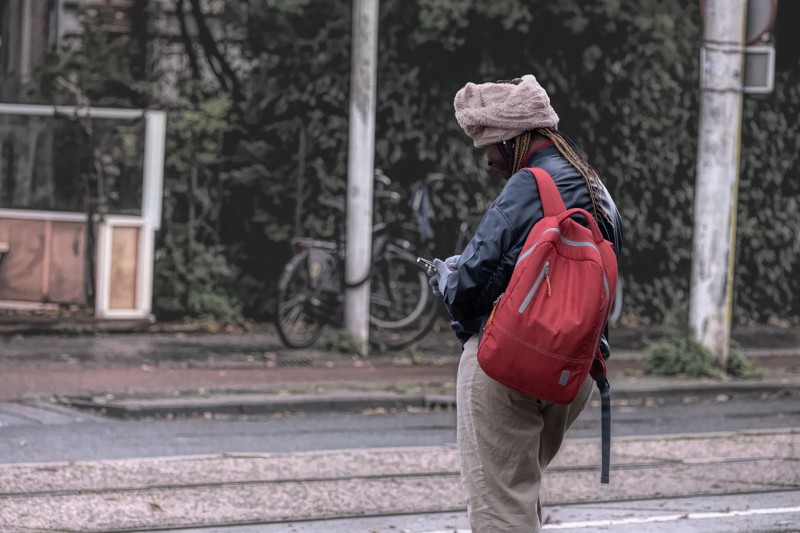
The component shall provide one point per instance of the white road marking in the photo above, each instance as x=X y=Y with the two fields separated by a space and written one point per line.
x=654 y=519
x=671 y=518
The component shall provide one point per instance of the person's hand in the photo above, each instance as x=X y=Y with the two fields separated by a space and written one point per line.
x=444 y=269
x=452 y=262
x=433 y=274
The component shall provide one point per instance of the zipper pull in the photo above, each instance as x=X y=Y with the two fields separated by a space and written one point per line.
x=494 y=308
x=547 y=278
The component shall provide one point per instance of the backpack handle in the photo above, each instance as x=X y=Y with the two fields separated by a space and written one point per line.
x=593 y=227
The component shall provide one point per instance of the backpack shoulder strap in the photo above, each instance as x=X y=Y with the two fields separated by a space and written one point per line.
x=598 y=373
x=552 y=203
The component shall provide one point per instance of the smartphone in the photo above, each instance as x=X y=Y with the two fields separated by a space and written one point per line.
x=424 y=263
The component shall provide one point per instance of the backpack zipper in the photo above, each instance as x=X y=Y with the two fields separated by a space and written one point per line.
x=494 y=308
x=547 y=278
x=542 y=275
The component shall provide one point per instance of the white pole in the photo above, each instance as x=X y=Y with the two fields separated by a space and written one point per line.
x=153 y=179
x=360 y=169
x=716 y=191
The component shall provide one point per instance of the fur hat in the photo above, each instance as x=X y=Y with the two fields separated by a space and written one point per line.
x=494 y=112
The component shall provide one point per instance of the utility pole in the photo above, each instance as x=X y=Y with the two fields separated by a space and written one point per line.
x=716 y=191
x=360 y=168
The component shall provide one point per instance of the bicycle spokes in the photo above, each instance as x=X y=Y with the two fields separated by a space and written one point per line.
x=299 y=320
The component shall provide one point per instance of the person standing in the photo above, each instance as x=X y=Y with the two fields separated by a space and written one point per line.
x=505 y=438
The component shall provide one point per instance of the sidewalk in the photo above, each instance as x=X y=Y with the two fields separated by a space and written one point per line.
x=149 y=374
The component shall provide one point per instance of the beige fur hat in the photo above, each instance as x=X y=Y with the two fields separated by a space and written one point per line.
x=494 y=112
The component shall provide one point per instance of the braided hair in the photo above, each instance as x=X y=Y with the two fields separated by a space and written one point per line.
x=515 y=150
x=593 y=183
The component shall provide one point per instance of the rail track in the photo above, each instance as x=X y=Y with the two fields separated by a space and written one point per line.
x=174 y=493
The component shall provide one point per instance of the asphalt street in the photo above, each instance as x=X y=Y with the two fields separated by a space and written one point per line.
x=44 y=431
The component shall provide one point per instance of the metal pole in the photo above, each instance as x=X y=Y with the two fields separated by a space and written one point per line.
x=716 y=191
x=25 y=43
x=299 y=203
x=361 y=166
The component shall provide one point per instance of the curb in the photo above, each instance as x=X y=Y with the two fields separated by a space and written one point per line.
x=263 y=405
x=708 y=389
x=267 y=404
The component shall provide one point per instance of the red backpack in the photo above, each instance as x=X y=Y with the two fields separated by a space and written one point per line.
x=543 y=335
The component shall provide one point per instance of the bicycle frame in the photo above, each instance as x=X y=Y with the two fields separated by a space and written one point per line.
x=323 y=259
x=318 y=266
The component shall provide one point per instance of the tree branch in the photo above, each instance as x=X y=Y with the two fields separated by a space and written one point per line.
x=227 y=77
x=187 y=40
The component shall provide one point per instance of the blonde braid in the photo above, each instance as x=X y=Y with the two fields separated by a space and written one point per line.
x=521 y=144
x=568 y=150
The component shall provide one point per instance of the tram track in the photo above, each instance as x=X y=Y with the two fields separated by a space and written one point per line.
x=171 y=494
x=410 y=475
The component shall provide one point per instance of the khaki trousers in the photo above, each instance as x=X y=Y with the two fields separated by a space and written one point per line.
x=505 y=441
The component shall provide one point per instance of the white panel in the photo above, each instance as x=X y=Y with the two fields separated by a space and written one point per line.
x=103 y=270
x=50 y=111
x=56 y=216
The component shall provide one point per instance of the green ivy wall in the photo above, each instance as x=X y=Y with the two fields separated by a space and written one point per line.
x=622 y=74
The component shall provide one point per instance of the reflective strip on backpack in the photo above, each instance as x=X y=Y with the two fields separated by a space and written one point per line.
x=529 y=251
x=608 y=304
x=579 y=243
x=538 y=282
x=568 y=242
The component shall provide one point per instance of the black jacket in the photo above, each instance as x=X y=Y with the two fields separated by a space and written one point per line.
x=486 y=264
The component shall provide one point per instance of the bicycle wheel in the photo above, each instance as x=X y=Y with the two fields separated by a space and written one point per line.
x=402 y=307
x=299 y=324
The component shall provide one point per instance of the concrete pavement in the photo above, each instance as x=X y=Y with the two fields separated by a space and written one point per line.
x=237 y=489
x=131 y=376
x=183 y=365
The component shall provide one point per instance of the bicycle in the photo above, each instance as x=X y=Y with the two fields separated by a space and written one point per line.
x=402 y=307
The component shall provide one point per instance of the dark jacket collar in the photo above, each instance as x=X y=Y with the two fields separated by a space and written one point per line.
x=541 y=153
